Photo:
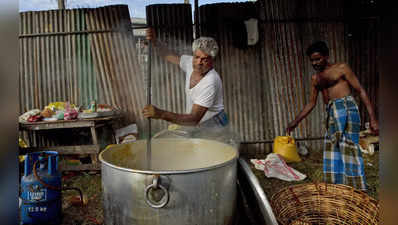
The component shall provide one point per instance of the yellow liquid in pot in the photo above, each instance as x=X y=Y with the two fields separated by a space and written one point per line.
x=170 y=154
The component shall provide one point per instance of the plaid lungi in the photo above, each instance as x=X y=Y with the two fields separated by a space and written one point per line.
x=342 y=158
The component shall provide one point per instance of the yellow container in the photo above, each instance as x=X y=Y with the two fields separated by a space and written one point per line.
x=286 y=147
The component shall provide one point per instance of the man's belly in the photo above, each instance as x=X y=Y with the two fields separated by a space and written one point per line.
x=335 y=93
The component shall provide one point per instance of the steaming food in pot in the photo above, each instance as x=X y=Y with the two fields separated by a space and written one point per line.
x=171 y=154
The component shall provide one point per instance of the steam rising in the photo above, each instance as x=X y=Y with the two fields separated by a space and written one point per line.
x=222 y=134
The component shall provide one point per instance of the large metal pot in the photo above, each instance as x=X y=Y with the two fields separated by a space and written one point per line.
x=192 y=181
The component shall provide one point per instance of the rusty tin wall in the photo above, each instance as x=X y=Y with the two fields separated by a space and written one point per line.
x=119 y=75
x=266 y=85
x=80 y=55
x=173 y=27
x=363 y=43
x=55 y=62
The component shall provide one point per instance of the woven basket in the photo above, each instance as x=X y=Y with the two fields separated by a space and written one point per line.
x=322 y=203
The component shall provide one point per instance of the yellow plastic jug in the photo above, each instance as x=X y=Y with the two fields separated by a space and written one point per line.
x=286 y=147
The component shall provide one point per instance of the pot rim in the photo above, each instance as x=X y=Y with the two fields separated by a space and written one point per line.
x=105 y=163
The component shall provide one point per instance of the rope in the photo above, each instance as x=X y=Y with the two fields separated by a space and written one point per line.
x=51 y=187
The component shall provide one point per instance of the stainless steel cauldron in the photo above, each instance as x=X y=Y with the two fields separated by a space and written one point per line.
x=192 y=181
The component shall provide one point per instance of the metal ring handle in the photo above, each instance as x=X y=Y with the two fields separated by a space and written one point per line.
x=161 y=203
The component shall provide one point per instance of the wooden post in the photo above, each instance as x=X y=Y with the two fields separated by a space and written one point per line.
x=61 y=4
x=196 y=17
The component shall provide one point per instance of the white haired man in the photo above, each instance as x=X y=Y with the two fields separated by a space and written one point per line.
x=203 y=86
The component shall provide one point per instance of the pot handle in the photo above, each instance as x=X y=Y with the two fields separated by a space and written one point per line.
x=156 y=185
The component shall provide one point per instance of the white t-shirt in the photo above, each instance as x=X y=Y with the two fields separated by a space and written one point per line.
x=207 y=93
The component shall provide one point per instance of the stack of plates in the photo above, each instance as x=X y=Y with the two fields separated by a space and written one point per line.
x=95 y=114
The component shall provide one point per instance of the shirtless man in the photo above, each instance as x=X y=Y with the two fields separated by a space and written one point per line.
x=342 y=159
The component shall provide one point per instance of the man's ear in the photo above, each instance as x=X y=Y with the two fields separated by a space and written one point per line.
x=211 y=61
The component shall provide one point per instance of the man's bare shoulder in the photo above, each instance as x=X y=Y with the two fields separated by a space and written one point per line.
x=341 y=66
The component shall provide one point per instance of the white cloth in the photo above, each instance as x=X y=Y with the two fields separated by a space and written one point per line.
x=275 y=166
x=252 y=31
x=207 y=93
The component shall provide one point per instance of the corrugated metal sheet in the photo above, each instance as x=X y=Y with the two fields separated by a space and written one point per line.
x=55 y=65
x=301 y=10
x=240 y=69
x=121 y=82
x=173 y=26
x=80 y=55
x=363 y=41
x=265 y=86
x=245 y=95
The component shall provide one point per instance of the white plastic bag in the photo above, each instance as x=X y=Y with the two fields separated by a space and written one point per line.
x=24 y=117
x=275 y=166
x=126 y=134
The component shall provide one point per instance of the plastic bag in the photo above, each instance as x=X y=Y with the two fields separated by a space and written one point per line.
x=70 y=112
x=24 y=117
x=126 y=134
x=59 y=105
x=286 y=147
x=36 y=118
x=275 y=166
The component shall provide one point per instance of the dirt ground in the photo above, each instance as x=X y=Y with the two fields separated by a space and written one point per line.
x=90 y=184
x=91 y=212
x=311 y=166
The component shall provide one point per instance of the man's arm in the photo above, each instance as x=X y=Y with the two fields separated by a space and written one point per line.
x=163 y=51
x=354 y=82
x=191 y=119
x=307 y=108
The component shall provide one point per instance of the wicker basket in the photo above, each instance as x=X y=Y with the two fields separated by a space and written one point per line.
x=322 y=203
